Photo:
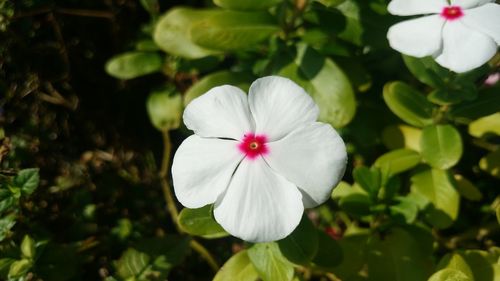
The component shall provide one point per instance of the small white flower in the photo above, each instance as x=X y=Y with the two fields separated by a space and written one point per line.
x=261 y=159
x=460 y=35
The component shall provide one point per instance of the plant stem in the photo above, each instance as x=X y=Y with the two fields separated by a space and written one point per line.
x=205 y=254
x=171 y=206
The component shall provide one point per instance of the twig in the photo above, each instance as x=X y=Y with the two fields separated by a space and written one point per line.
x=205 y=254
x=66 y=11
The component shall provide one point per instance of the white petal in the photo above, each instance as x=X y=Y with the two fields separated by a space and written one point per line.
x=259 y=205
x=486 y=19
x=202 y=169
x=470 y=3
x=416 y=7
x=464 y=48
x=278 y=106
x=221 y=112
x=417 y=37
x=313 y=157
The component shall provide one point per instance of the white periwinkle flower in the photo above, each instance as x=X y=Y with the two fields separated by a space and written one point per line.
x=460 y=35
x=260 y=158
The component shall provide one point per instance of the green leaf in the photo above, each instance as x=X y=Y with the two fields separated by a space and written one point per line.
x=329 y=252
x=238 y=79
x=200 y=222
x=325 y=82
x=8 y=202
x=132 y=263
x=484 y=265
x=165 y=109
x=300 y=246
x=357 y=204
x=27 y=180
x=19 y=268
x=5 y=264
x=484 y=125
x=449 y=274
x=6 y=223
x=232 y=31
x=395 y=162
x=437 y=186
x=441 y=146
x=491 y=163
x=467 y=189
x=397 y=257
x=28 y=247
x=237 y=268
x=353 y=249
x=408 y=104
x=134 y=64
x=401 y=136
x=406 y=210
x=486 y=104
x=426 y=70
x=151 y=6
x=246 y=4
x=368 y=179
x=172 y=33
x=269 y=262
x=457 y=262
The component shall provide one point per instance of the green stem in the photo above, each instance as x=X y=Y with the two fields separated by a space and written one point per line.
x=172 y=207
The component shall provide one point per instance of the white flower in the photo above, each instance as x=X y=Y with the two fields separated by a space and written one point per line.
x=460 y=36
x=260 y=158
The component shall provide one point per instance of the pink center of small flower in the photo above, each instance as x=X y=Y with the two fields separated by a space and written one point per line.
x=452 y=12
x=253 y=145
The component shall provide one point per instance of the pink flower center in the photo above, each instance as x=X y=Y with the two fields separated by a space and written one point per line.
x=452 y=12
x=253 y=145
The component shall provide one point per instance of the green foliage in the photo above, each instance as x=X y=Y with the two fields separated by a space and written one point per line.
x=165 y=109
x=200 y=222
x=269 y=262
x=441 y=146
x=418 y=202
x=237 y=268
x=134 y=64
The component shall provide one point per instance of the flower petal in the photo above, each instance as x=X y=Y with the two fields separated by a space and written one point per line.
x=415 y=7
x=202 y=169
x=417 y=37
x=259 y=205
x=486 y=19
x=466 y=4
x=464 y=48
x=313 y=157
x=221 y=112
x=278 y=106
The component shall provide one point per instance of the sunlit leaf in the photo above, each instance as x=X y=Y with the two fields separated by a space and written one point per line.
x=485 y=125
x=172 y=33
x=408 y=104
x=231 y=30
x=269 y=262
x=448 y=274
x=237 y=268
x=325 y=82
x=441 y=146
x=402 y=136
x=438 y=188
x=396 y=161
